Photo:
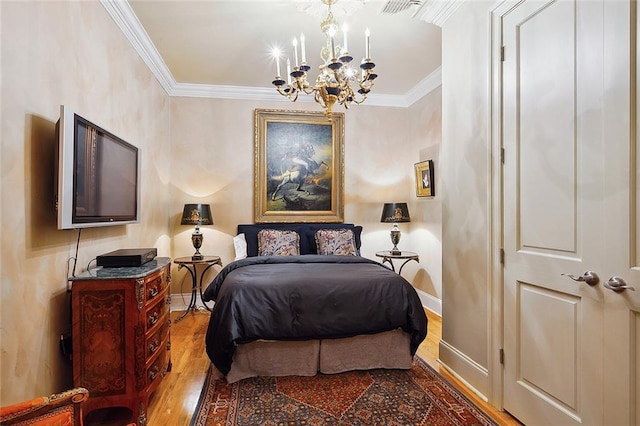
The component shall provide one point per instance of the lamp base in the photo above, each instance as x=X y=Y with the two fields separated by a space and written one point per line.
x=395 y=239
x=196 y=239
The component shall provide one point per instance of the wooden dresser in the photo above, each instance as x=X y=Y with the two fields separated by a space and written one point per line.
x=121 y=340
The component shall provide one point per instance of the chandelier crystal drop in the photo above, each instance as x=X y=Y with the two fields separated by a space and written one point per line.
x=337 y=77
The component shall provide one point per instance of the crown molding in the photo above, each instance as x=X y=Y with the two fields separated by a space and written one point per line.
x=124 y=17
x=424 y=87
x=437 y=11
x=270 y=94
x=129 y=24
x=194 y=90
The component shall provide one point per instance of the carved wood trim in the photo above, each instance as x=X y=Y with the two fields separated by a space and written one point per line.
x=140 y=293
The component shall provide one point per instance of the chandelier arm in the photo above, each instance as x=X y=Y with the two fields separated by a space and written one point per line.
x=358 y=102
x=292 y=94
x=309 y=90
x=362 y=97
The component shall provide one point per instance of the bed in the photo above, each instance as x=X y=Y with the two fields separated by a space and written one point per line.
x=304 y=301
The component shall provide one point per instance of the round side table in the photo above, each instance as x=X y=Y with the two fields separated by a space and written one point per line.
x=389 y=256
x=190 y=265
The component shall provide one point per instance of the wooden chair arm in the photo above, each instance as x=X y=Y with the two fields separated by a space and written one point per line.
x=47 y=410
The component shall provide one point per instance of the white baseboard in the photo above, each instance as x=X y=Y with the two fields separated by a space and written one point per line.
x=460 y=365
x=429 y=302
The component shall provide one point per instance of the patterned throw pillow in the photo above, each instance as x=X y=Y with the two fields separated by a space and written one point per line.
x=336 y=241
x=274 y=242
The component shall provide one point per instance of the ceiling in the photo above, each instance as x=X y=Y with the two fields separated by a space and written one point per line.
x=222 y=48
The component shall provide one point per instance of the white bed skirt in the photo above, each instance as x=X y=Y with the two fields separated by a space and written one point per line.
x=389 y=349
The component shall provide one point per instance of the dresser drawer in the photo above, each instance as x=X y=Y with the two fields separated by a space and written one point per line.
x=160 y=366
x=154 y=287
x=156 y=313
x=153 y=343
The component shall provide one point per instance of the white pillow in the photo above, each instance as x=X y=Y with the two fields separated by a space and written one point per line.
x=240 y=244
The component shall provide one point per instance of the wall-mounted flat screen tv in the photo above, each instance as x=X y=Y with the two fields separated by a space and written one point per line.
x=98 y=175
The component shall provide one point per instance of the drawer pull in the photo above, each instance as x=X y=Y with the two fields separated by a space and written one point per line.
x=153 y=291
x=153 y=373
x=153 y=318
x=153 y=347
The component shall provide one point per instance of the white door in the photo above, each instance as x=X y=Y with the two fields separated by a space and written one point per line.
x=571 y=205
x=621 y=249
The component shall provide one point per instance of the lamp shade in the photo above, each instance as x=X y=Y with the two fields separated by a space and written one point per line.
x=395 y=213
x=196 y=214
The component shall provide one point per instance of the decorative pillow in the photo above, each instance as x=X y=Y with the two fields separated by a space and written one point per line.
x=336 y=241
x=240 y=245
x=275 y=242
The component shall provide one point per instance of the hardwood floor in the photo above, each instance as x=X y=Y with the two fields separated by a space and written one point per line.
x=174 y=402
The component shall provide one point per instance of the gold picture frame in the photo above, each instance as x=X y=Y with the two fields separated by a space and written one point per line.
x=298 y=166
x=425 y=184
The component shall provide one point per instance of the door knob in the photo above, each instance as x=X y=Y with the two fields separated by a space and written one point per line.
x=588 y=277
x=617 y=284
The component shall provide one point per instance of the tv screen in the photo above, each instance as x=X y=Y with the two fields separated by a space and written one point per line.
x=98 y=175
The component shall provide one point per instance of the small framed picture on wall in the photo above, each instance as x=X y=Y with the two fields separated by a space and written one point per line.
x=424 y=179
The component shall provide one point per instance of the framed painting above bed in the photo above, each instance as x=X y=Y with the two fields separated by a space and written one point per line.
x=299 y=166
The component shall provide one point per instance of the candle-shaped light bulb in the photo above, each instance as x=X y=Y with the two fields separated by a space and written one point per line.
x=295 y=49
x=303 y=50
x=288 y=71
x=333 y=48
x=367 y=53
x=367 y=46
x=276 y=55
x=332 y=33
x=345 y=29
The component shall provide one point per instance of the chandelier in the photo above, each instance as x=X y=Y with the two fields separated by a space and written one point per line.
x=337 y=78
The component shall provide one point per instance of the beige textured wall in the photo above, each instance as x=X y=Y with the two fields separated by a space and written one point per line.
x=465 y=206
x=68 y=53
x=212 y=152
x=426 y=234
x=193 y=149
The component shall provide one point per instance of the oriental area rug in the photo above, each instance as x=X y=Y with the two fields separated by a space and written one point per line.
x=419 y=396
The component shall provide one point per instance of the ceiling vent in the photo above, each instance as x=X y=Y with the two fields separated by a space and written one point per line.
x=392 y=7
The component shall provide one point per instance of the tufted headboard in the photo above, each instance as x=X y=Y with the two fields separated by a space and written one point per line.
x=307 y=232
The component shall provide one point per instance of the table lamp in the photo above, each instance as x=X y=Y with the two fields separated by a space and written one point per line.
x=395 y=213
x=197 y=214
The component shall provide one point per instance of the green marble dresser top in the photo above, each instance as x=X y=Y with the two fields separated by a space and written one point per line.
x=127 y=272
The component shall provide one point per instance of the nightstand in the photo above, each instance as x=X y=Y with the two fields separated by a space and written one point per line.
x=196 y=283
x=389 y=257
